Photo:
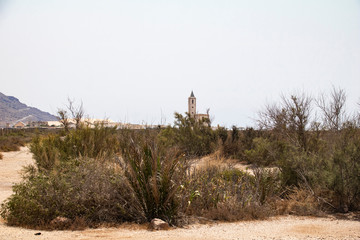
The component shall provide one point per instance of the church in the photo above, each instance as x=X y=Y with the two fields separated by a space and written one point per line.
x=192 y=109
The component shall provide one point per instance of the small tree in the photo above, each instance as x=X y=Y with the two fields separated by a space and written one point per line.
x=333 y=110
x=63 y=117
x=298 y=109
x=289 y=120
x=77 y=112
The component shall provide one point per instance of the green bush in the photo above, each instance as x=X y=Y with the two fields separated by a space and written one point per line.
x=80 y=188
x=331 y=173
x=194 y=138
x=141 y=184
x=98 y=142
x=263 y=154
x=239 y=142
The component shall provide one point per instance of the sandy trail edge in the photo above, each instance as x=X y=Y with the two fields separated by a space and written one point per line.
x=287 y=227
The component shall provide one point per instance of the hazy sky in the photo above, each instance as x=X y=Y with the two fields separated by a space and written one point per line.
x=137 y=61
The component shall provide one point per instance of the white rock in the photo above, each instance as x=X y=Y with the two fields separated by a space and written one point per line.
x=158 y=224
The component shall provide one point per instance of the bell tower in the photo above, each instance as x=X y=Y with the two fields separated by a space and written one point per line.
x=192 y=105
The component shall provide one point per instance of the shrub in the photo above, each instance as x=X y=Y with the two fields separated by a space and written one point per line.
x=155 y=176
x=81 y=188
x=194 y=138
x=13 y=139
x=144 y=183
x=332 y=173
x=46 y=151
x=11 y=143
x=83 y=142
x=343 y=171
x=301 y=201
x=229 y=194
x=240 y=141
x=263 y=154
x=221 y=134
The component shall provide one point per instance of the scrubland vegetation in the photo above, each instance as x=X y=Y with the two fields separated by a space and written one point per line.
x=301 y=165
x=13 y=139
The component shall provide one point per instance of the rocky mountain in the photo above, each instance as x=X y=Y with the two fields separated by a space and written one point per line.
x=12 y=111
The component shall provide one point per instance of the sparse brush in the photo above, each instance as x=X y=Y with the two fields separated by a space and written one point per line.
x=13 y=139
x=11 y=143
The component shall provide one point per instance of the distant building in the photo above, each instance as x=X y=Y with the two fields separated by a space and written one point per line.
x=192 y=105
x=36 y=124
x=54 y=124
x=19 y=125
x=192 y=109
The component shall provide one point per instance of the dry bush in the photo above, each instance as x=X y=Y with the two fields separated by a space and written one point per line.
x=300 y=201
x=231 y=210
x=229 y=194
x=11 y=143
x=13 y=139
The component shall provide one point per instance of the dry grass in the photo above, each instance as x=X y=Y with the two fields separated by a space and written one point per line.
x=300 y=201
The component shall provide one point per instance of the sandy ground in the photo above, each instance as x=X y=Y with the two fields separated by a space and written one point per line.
x=214 y=160
x=287 y=227
x=10 y=170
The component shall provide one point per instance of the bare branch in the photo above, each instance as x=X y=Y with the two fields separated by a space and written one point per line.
x=333 y=109
x=77 y=112
x=290 y=119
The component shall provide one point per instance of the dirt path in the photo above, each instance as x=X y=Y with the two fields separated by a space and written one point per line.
x=288 y=227
x=10 y=170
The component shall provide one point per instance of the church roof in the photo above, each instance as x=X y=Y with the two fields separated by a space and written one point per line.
x=192 y=94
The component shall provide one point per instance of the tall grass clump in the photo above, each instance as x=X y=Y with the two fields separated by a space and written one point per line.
x=155 y=175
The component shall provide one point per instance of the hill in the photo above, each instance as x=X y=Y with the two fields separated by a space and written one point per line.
x=12 y=111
